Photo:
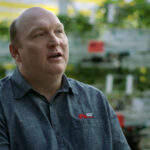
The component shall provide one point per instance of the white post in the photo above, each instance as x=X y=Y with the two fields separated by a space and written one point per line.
x=129 y=84
x=111 y=12
x=109 y=83
x=93 y=14
x=63 y=6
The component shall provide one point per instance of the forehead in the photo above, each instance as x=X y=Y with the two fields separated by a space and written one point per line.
x=37 y=19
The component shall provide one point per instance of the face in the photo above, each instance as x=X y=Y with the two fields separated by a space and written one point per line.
x=43 y=44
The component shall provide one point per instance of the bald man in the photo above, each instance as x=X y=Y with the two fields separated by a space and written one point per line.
x=41 y=108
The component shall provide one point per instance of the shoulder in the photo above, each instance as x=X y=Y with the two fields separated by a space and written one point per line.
x=4 y=81
x=86 y=89
x=82 y=86
x=4 y=86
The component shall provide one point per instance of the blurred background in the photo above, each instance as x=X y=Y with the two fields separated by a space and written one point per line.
x=109 y=48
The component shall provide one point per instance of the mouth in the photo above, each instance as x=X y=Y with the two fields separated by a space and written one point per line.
x=55 y=55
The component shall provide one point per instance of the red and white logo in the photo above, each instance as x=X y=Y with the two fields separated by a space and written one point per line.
x=85 y=116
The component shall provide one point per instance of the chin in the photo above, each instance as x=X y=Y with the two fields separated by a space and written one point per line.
x=56 y=71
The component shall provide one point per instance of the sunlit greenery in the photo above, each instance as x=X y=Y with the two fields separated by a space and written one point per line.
x=4 y=30
x=2 y=71
x=79 y=26
x=127 y=15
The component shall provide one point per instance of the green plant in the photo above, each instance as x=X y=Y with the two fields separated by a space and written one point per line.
x=4 y=30
x=128 y=15
x=2 y=71
x=79 y=26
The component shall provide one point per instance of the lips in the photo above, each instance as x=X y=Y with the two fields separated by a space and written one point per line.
x=54 y=55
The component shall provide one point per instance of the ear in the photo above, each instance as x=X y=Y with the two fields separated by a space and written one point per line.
x=14 y=52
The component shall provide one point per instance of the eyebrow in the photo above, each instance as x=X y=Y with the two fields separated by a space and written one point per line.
x=59 y=25
x=34 y=30
x=41 y=28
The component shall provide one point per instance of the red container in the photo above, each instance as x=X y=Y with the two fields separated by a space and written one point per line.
x=121 y=119
x=95 y=46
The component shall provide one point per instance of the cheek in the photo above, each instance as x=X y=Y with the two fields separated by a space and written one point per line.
x=31 y=55
x=64 y=45
x=32 y=52
x=35 y=49
x=66 y=51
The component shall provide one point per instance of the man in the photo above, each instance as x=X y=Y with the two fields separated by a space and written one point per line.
x=42 y=109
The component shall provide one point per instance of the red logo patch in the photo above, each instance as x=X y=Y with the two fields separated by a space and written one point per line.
x=83 y=116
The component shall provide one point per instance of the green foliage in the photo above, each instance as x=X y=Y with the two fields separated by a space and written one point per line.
x=4 y=30
x=2 y=71
x=78 y=25
x=128 y=15
x=142 y=79
x=67 y=22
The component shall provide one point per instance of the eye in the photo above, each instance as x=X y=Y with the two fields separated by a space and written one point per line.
x=39 y=34
x=59 y=31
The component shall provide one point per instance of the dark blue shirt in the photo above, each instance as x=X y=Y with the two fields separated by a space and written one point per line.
x=78 y=117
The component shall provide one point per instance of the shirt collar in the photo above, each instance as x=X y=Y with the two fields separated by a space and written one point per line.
x=67 y=85
x=21 y=86
x=70 y=84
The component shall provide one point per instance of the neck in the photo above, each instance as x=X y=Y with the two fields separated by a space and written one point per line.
x=46 y=85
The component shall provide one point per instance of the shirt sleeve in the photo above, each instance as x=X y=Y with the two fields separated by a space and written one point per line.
x=4 y=142
x=118 y=139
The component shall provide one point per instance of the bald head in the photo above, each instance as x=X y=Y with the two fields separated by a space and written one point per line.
x=23 y=21
x=31 y=14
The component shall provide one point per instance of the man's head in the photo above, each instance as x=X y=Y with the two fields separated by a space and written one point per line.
x=38 y=43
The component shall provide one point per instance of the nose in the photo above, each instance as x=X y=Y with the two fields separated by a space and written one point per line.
x=53 y=40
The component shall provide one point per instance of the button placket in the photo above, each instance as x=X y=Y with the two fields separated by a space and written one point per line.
x=55 y=122
x=54 y=118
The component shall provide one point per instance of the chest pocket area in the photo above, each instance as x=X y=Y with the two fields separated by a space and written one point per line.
x=88 y=134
